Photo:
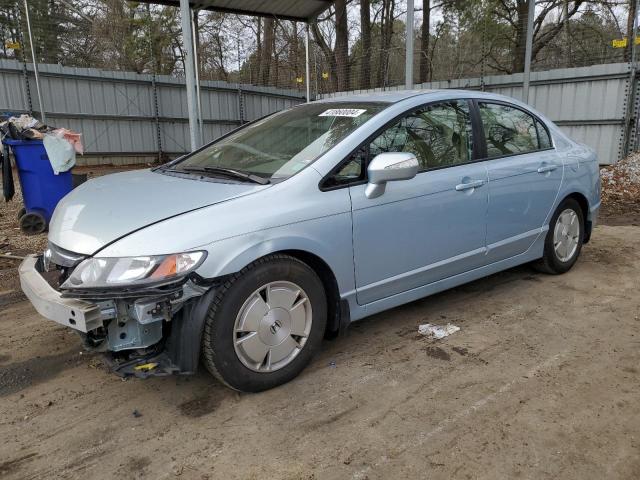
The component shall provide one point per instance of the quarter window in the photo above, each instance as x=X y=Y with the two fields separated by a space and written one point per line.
x=509 y=130
x=350 y=172
x=438 y=135
x=543 y=136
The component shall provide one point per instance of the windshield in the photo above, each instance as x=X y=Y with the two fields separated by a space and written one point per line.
x=281 y=145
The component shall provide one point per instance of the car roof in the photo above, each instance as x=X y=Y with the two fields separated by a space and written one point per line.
x=395 y=96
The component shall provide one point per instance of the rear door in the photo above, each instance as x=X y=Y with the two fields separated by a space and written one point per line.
x=525 y=174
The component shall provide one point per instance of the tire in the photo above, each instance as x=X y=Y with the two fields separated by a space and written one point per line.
x=560 y=260
x=21 y=212
x=250 y=326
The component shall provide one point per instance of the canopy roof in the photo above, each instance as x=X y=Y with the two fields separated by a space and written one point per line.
x=297 y=10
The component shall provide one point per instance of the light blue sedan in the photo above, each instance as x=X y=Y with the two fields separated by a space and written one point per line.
x=248 y=252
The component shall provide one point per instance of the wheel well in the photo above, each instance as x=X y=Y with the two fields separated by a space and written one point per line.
x=334 y=310
x=584 y=206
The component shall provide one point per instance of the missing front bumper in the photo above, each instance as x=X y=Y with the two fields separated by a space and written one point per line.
x=141 y=337
x=77 y=314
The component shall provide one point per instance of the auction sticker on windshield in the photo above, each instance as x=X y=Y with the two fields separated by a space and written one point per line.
x=343 y=112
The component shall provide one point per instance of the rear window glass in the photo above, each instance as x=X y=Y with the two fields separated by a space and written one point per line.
x=508 y=130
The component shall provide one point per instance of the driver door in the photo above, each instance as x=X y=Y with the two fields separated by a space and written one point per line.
x=432 y=226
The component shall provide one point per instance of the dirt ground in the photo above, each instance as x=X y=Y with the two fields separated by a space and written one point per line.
x=542 y=382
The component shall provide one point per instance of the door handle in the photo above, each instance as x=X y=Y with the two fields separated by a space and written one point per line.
x=545 y=167
x=466 y=186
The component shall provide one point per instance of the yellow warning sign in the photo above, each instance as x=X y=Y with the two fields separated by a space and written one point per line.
x=622 y=42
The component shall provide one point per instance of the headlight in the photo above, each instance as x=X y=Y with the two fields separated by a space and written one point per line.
x=128 y=271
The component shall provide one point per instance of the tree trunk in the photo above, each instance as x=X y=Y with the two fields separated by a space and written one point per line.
x=522 y=10
x=386 y=32
x=294 y=57
x=365 y=27
x=258 y=66
x=328 y=55
x=267 y=50
x=424 y=41
x=196 y=36
x=342 y=45
x=567 y=34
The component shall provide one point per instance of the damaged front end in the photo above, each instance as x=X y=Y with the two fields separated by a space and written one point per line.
x=144 y=313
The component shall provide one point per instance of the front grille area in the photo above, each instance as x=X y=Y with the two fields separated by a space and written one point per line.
x=61 y=257
x=54 y=275
x=56 y=264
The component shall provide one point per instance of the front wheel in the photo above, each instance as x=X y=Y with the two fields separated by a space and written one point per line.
x=564 y=239
x=264 y=324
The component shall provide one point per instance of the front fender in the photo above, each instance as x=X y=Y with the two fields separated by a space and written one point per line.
x=328 y=238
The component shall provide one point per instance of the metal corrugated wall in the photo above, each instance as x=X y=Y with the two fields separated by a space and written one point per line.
x=588 y=103
x=115 y=110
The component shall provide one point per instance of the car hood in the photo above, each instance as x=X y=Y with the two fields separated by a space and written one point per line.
x=107 y=208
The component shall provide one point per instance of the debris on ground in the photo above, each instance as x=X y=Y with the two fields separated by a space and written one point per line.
x=437 y=331
x=621 y=192
x=621 y=182
x=136 y=414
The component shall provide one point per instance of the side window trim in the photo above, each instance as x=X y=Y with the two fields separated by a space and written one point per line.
x=482 y=139
x=475 y=153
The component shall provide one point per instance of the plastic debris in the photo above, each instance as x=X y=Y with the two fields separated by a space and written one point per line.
x=136 y=414
x=146 y=367
x=60 y=151
x=437 y=331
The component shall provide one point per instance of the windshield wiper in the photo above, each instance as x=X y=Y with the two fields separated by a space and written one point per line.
x=229 y=172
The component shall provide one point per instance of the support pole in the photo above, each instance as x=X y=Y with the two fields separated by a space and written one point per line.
x=307 y=68
x=43 y=117
x=528 y=51
x=631 y=108
x=190 y=75
x=408 y=72
x=197 y=70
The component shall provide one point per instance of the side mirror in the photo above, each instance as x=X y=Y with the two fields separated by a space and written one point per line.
x=389 y=167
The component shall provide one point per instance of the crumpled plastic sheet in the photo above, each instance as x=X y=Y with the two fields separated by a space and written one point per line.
x=60 y=151
x=437 y=331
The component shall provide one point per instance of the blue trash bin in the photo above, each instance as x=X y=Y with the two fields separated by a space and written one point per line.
x=41 y=188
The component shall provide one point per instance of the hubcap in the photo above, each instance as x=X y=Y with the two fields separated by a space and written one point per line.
x=566 y=235
x=272 y=326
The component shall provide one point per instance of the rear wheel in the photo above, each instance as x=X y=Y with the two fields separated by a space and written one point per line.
x=564 y=239
x=265 y=324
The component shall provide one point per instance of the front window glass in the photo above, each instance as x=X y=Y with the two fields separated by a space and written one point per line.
x=507 y=130
x=281 y=145
x=439 y=135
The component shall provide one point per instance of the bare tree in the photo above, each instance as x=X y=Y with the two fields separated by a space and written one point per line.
x=365 y=32
x=424 y=41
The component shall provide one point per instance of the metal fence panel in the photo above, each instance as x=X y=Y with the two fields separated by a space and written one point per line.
x=115 y=110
